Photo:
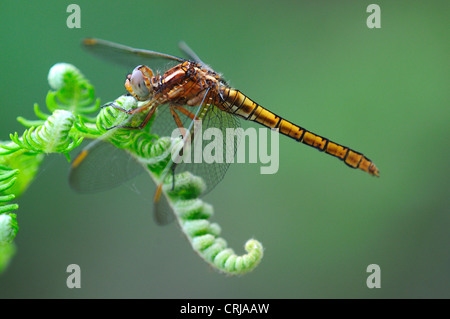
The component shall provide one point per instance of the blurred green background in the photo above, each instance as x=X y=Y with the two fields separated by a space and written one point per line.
x=384 y=92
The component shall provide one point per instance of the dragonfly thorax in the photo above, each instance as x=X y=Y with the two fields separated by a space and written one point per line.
x=184 y=84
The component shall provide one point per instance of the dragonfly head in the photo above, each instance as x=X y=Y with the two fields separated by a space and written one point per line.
x=139 y=83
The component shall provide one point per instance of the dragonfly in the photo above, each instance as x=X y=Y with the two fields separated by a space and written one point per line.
x=177 y=92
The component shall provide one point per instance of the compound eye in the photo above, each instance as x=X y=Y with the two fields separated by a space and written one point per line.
x=139 y=85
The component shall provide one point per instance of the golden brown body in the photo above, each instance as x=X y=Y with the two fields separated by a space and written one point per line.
x=241 y=105
x=189 y=87
x=187 y=84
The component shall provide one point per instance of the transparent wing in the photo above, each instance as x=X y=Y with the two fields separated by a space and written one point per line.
x=219 y=147
x=192 y=55
x=162 y=212
x=216 y=149
x=128 y=56
x=101 y=166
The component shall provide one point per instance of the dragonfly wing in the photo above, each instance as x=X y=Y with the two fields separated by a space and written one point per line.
x=164 y=124
x=101 y=166
x=162 y=212
x=128 y=56
x=219 y=147
x=218 y=153
x=192 y=55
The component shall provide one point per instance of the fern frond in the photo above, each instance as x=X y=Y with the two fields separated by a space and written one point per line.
x=8 y=228
x=8 y=221
x=192 y=215
x=72 y=91
x=7 y=180
x=51 y=137
x=21 y=157
x=71 y=102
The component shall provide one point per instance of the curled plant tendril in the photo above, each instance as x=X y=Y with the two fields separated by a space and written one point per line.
x=192 y=215
x=72 y=92
x=51 y=137
x=71 y=102
x=21 y=157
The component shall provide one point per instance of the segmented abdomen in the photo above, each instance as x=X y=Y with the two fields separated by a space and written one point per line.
x=237 y=103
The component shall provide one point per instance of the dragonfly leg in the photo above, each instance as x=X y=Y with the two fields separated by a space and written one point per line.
x=147 y=118
x=108 y=104
x=132 y=111
x=185 y=112
x=177 y=119
x=118 y=108
x=140 y=126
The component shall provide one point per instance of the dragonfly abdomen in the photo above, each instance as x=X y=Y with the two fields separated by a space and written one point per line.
x=239 y=104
